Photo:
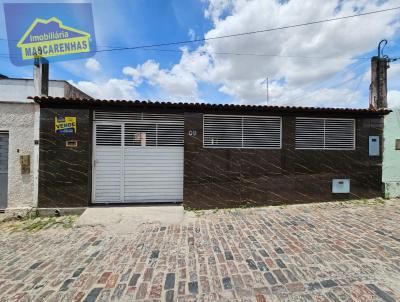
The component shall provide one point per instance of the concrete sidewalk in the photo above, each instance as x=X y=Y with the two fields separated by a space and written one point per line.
x=124 y=220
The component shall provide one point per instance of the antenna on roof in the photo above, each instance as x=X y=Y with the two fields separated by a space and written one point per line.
x=267 y=82
x=380 y=47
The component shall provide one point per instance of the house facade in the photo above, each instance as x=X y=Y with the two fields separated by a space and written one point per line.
x=19 y=139
x=205 y=156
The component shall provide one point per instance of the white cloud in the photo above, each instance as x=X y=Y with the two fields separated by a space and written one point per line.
x=239 y=76
x=292 y=73
x=393 y=98
x=295 y=78
x=178 y=82
x=111 y=89
x=217 y=8
x=191 y=34
x=93 y=65
x=394 y=71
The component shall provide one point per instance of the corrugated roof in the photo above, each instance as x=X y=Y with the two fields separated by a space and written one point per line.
x=204 y=106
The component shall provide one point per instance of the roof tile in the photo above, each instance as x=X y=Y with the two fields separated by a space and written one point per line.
x=205 y=106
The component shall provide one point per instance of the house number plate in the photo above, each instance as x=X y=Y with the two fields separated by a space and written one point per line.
x=192 y=132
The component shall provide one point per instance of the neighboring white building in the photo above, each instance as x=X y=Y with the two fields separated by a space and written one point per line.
x=19 y=138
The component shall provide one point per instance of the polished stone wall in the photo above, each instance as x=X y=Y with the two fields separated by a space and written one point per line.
x=220 y=178
x=64 y=172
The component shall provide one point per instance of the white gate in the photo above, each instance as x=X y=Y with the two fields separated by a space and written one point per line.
x=138 y=157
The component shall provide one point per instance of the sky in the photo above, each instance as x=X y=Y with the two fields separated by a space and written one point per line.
x=324 y=65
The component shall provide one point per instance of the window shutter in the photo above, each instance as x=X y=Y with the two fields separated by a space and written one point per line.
x=108 y=135
x=325 y=133
x=170 y=134
x=339 y=134
x=146 y=129
x=229 y=131
x=140 y=134
x=309 y=133
x=262 y=132
x=222 y=131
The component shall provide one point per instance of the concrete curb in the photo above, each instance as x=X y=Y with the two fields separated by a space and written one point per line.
x=46 y=212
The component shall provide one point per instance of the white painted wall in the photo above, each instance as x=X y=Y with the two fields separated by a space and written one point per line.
x=19 y=121
x=17 y=90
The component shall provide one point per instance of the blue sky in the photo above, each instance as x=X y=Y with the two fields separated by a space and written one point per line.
x=319 y=65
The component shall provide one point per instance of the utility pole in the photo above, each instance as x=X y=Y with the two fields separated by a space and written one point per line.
x=263 y=82
x=378 y=87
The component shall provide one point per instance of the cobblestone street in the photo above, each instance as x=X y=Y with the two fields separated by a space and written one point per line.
x=325 y=252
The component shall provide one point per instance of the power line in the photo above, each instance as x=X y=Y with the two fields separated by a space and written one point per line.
x=350 y=97
x=321 y=84
x=247 y=33
x=15 y=55
x=257 y=54
x=253 y=32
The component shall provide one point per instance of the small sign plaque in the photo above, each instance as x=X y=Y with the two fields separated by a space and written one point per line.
x=66 y=124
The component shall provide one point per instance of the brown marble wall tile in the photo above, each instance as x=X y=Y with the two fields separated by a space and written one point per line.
x=219 y=178
x=64 y=172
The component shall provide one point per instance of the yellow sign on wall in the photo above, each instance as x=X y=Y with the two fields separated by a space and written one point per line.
x=65 y=124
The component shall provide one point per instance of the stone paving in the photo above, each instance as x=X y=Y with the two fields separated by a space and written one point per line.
x=326 y=252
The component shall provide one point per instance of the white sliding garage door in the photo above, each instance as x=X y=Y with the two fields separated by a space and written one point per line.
x=138 y=157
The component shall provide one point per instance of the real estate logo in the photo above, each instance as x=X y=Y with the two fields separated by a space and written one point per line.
x=50 y=38
x=56 y=31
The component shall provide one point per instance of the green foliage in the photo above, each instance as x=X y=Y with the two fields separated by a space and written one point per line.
x=189 y=209
x=69 y=221
x=246 y=205
x=31 y=224
x=32 y=214
x=197 y=212
x=364 y=201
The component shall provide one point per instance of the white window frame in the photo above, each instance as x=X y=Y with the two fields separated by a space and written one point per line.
x=242 y=138
x=324 y=148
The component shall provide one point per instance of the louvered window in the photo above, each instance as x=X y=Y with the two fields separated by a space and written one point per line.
x=108 y=135
x=146 y=129
x=153 y=134
x=232 y=131
x=143 y=134
x=325 y=133
x=170 y=134
x=100 y=115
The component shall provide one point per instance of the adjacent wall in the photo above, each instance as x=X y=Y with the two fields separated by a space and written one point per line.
x=391 y=156
x=219 y=178
x=19 y=120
